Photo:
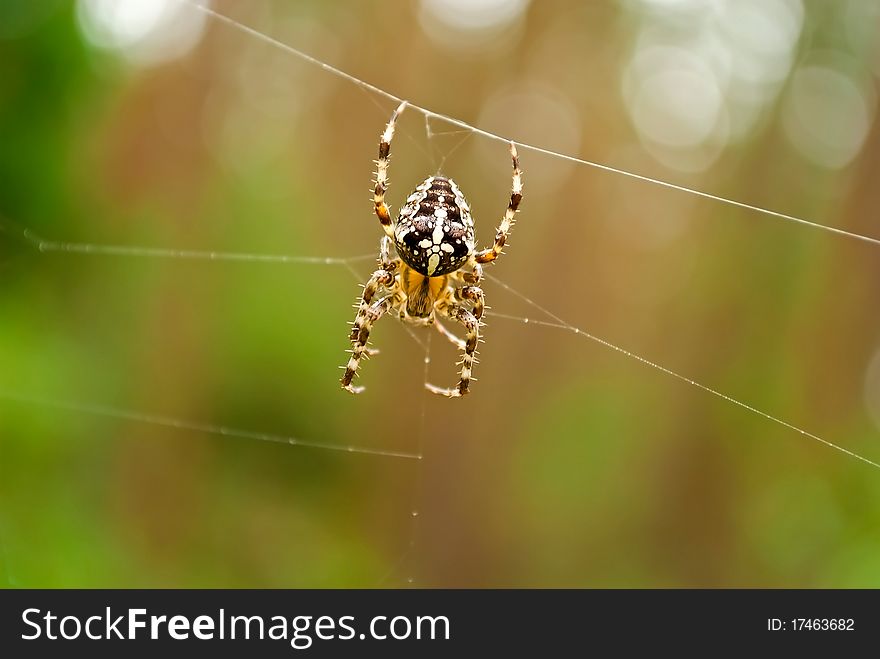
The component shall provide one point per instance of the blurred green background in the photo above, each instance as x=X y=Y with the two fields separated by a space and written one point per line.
x=152 y=125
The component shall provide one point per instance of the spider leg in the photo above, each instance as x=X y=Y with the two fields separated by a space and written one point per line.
x=473 y=294
x=492 y=253
x=475 y=276
x=366 y=320
x=368 y=313
x=457 y=342
x=386 y=261
x=381 y=188
x=472 y=325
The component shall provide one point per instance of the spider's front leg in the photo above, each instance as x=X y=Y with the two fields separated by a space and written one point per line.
x=368 y=313
x=381 y=188
x=386 y=261
x=489 y=255
x=472 y=328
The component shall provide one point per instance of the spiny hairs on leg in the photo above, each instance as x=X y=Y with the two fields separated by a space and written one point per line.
x=507 y=222
x=472 y=325
x=363 y=325
x=368 y=313
x=381 y=188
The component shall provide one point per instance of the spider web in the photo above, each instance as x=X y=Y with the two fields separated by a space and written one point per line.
x=405 y=568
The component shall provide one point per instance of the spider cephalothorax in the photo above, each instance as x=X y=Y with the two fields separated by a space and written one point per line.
x=436 y=269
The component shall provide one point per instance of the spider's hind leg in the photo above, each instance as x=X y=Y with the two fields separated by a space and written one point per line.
x=363 y=325
x=470 y=292
x=472 y=327
x=368 y=313
x=453 y=339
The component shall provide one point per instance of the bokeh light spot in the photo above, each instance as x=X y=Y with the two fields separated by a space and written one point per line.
x=679 y=105
x=826 y=116
x=535 y=114
x=702 y=73
x=470 y=26
x=472 y=14
x=145 y=32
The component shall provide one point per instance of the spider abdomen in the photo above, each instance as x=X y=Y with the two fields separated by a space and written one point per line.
x=434 y=233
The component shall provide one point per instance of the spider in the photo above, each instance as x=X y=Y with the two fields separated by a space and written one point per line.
x=428 y=264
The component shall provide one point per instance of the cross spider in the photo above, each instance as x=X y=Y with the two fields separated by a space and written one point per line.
x=428 y=264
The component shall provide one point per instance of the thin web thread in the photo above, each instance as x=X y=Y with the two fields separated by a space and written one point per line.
x=200 y=255
x=150 y=252
x=414 y=515
x=429 y=114
x=418 y=490
x=561 y=324
x=45 y=246
x=207 y=428
x=405 y=558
